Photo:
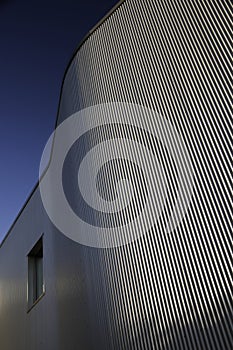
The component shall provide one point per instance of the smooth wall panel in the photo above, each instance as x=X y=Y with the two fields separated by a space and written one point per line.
x=65 y=316
x=20 y=329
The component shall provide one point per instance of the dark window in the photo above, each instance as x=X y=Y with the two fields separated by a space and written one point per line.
x=35 y=273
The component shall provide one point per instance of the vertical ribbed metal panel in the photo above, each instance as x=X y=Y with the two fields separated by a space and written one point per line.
x=165 y=290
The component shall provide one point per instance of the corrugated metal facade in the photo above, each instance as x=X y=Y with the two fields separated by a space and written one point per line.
x=168 y=289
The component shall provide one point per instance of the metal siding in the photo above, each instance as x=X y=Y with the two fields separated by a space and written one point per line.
x=164 y=290
x=169 y=290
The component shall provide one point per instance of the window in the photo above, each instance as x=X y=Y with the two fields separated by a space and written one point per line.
x=35 y=273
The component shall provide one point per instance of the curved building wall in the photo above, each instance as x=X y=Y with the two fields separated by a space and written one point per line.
x=158 y=74
x=166 y=289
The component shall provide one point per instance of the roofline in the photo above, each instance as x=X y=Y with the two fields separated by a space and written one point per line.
x=86 y=37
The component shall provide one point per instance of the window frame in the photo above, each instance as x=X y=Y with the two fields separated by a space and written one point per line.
x=35 y=264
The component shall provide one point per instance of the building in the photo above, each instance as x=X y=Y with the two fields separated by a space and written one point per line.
x=168 y=284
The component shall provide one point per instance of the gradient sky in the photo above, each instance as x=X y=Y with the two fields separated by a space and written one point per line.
x=37 y=39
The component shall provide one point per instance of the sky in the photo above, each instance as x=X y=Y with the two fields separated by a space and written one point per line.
x=37 y=40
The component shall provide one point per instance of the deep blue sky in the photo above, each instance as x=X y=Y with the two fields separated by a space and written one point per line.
x=37 y=39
